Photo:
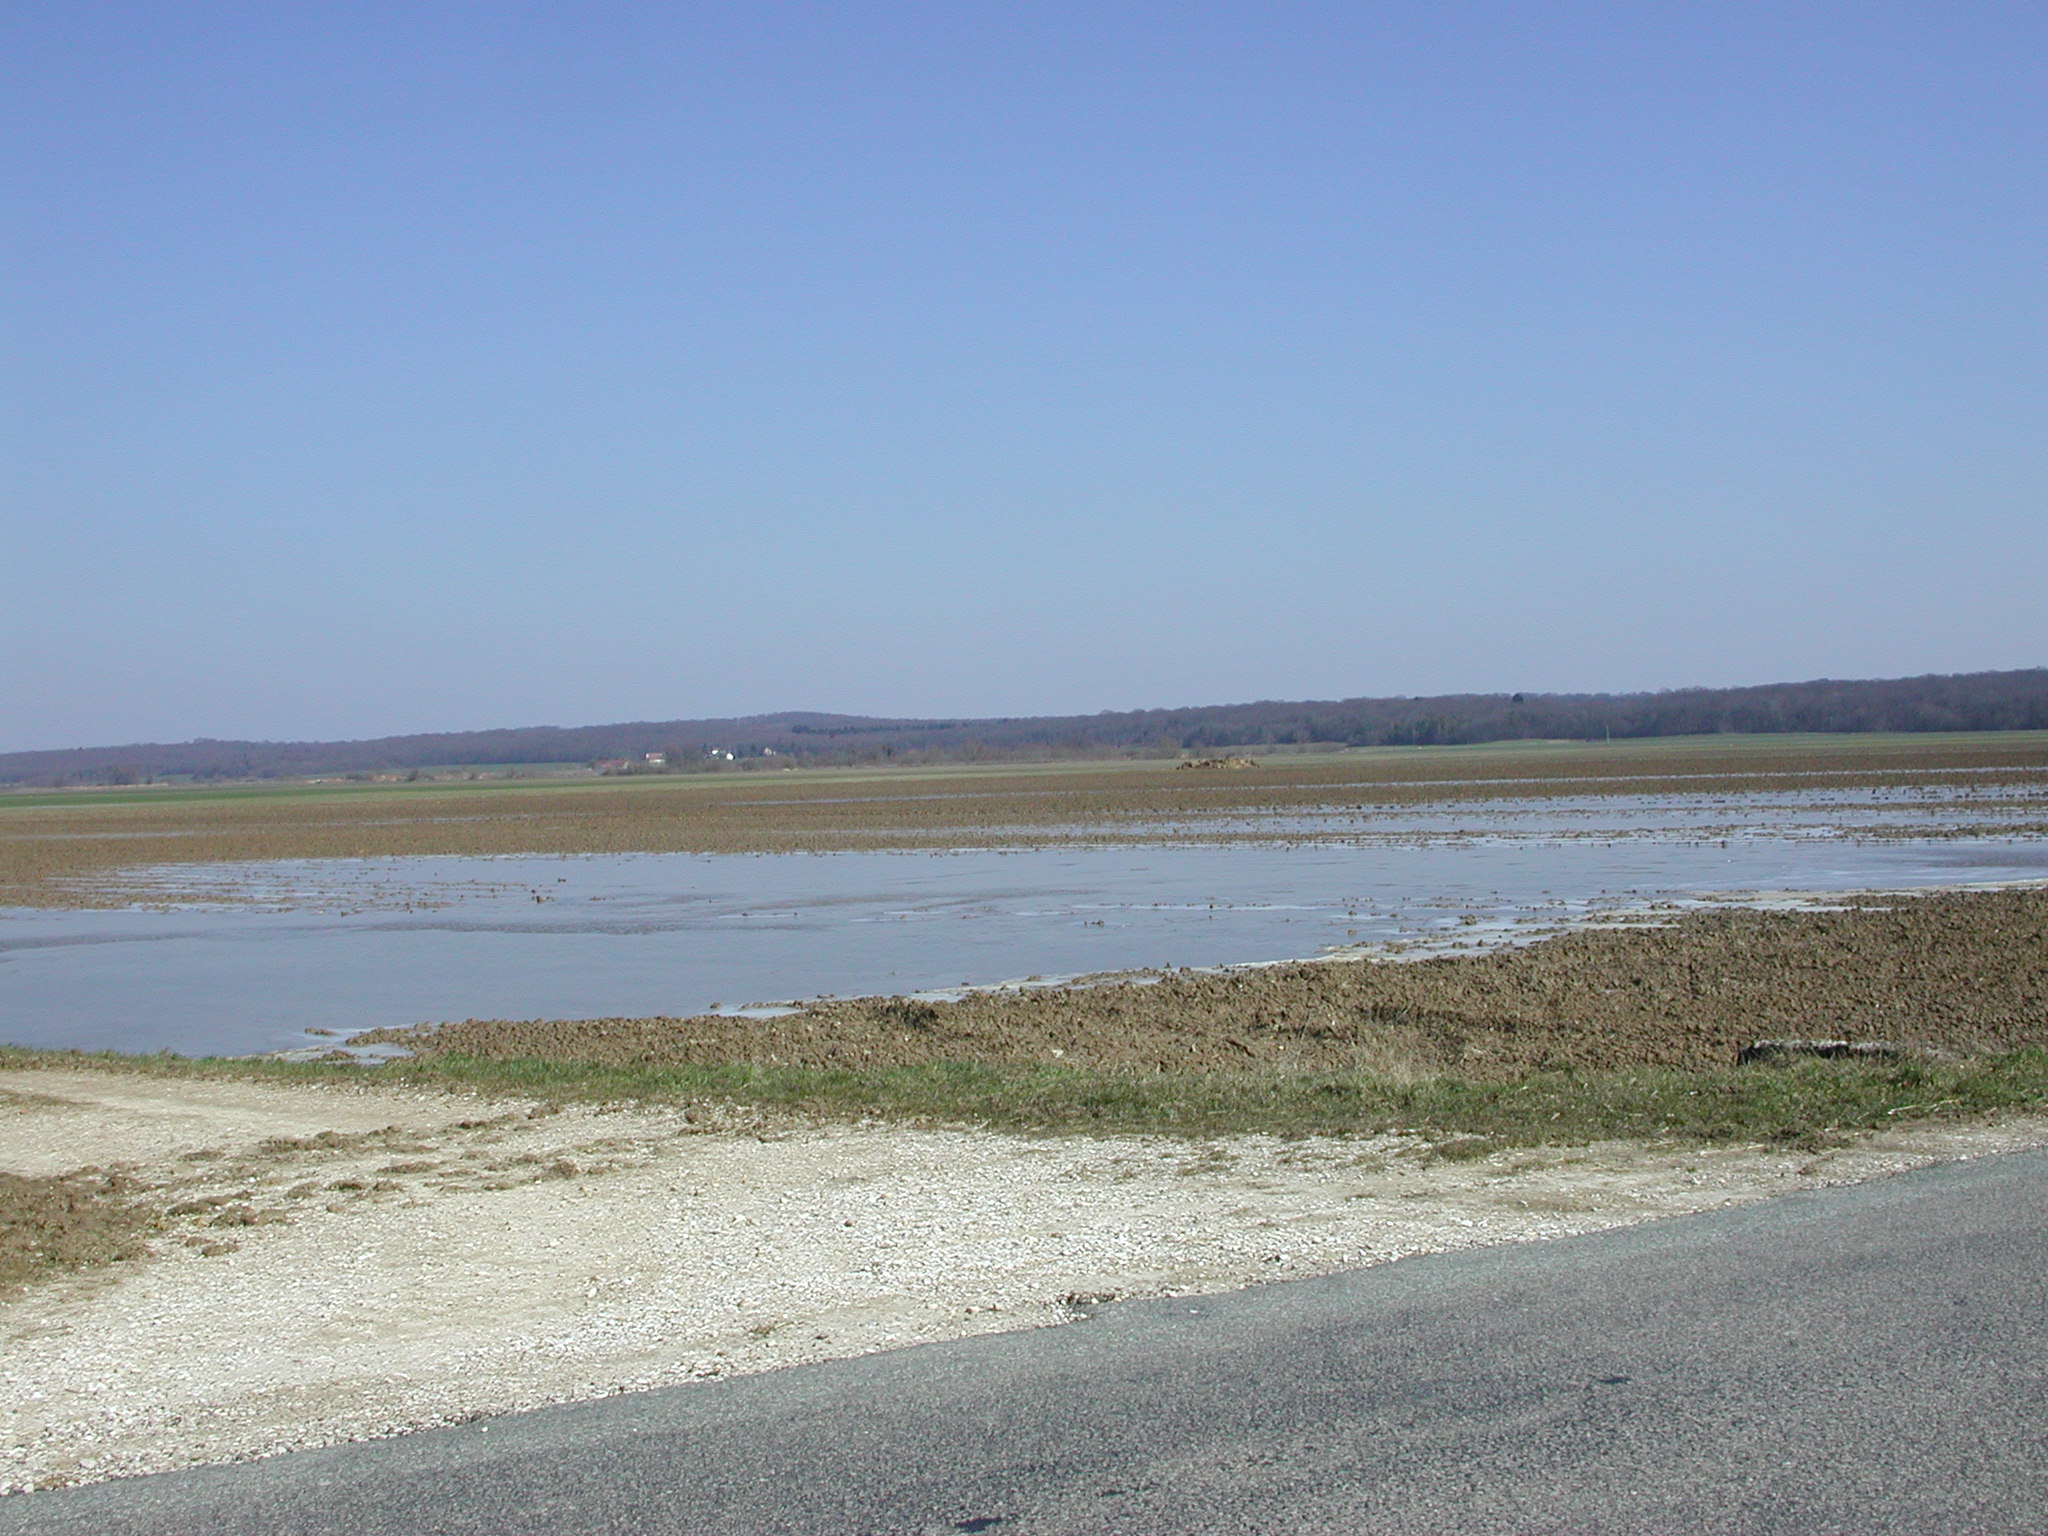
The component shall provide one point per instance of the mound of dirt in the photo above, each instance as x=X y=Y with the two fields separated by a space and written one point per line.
x=1965 y=972
x=66 y=1221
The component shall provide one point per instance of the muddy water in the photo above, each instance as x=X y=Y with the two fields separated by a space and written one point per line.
x=254 y=957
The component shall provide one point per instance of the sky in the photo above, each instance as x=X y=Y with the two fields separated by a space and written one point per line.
x=370 y=368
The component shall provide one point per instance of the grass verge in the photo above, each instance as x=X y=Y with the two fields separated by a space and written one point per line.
x=1808 y=1103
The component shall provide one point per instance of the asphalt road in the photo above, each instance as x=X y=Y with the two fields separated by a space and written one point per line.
x=1856 y=1360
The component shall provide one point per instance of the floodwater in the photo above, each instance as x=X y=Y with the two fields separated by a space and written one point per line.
x=249 y=958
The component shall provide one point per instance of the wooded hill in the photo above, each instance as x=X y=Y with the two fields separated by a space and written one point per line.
x=1974 y=701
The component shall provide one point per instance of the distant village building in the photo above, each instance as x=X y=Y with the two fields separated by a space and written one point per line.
x=657 y=759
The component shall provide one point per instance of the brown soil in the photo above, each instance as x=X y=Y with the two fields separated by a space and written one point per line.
x=70 y=852
x=66 y=1221
x=1966 y=972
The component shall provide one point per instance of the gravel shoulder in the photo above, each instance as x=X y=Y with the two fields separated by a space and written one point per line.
x=343 y=1263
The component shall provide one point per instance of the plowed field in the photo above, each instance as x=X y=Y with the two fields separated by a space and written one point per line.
x=1962 y=972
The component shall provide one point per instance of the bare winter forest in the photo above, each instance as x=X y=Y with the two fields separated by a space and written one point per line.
x=1976 y=701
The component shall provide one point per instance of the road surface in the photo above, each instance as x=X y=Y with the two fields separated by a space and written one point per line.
x=1872 y=1358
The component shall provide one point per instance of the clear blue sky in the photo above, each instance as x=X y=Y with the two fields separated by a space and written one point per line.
x=384 y=367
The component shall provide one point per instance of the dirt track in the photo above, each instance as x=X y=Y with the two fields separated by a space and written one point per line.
x=1965 y=972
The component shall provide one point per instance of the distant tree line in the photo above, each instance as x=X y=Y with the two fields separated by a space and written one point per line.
x=1974 y=701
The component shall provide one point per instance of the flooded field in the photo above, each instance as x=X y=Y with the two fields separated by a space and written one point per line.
x=247 y=956
x=83 y=848
x=641 y=1171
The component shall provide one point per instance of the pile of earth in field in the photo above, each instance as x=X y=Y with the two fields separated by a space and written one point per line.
x=1963 y=972
x=66 y=1221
